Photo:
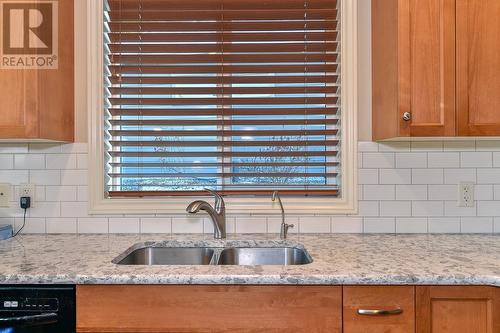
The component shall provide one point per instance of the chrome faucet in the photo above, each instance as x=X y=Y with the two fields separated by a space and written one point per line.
x=217 y=213
x=284 y=226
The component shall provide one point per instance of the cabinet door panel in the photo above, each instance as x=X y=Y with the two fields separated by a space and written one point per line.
x=431 y=61
x=442 y=309
x=194 y=309
x=478 y=67
x=379 y=298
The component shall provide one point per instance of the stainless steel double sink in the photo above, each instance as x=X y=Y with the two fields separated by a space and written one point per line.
x=157 y=255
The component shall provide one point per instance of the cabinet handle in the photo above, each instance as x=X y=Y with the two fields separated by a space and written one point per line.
x=407 y=116
x=365 y=312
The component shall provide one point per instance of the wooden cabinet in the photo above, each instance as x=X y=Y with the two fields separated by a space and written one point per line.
x=379 y=309
x=436 y=68
x=294 y=309
x=446 y=309
x=37 y=73
x=193 y=309
x=478 y=67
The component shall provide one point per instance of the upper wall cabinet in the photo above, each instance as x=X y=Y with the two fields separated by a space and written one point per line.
x=436 y=68
x=37 y=71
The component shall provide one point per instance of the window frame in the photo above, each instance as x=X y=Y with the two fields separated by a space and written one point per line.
x=347 y=203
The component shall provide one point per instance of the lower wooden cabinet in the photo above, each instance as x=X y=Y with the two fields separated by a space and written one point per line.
x=384 y=309
x=194 y=309
x=447 y=309
x=297 y=309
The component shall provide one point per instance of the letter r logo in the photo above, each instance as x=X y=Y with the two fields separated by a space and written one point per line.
x=27 y=28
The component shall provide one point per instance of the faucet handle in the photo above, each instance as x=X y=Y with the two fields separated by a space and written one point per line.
x=219 y=201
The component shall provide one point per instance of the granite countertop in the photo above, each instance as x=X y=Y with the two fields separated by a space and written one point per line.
x=338 y=259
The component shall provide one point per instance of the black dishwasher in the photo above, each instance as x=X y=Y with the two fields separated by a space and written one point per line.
x=37 y=309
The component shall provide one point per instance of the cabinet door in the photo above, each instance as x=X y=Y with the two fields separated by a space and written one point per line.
x=427 y=49
x=470 y=309
x=190 y=308
x=379 y=309
x=478 y=67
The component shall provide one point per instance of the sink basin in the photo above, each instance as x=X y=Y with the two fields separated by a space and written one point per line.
x=264 y=256
x=168 y=256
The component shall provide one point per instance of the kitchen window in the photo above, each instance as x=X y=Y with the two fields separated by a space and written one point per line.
x=239 y=96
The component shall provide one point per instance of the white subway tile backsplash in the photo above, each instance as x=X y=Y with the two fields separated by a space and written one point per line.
x=476 y=225
x=427 y=208
x=45 y=177
x=187 y=224
x=60 y=161
x=74 y=177
x=443 y=160
x=155 y=225
x=488 y=208
x=379 y=225
x=123 y=225
x=92 y=225
x=476 y=160
x=78 y=209
x=484 y=192
x=403 y=187
x=368 y=176
x=309 y=225
x=45 y=209
x=395 y=176
x=251 y=225
x=447 y=225
x=29 y=161
x=13 y=148
x=488 y=176
x=33 y=225
x=6 y=161
x=61 y=225
x=411 y=192
x=411 y=160
x=378 y=160
x=60 y=193
x=455 y=176
x=395 y=208
x=379 y=192
x=347 y=224
x=411 y=225
x=451 y=209
x=368 y=208
x=443 y=192
x=14 y=177
x=427 y=176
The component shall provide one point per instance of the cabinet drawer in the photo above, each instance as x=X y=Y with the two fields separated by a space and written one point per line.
x=379 y=309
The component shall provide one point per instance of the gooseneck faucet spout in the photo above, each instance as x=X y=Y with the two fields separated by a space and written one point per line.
x=217 y=213
x=284 y=226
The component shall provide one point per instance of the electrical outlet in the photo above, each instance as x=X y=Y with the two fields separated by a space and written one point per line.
x=466 y=194
x=5 y=195
x=27 y=190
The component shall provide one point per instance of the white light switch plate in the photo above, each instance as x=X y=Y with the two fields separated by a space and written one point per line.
x=5 y=195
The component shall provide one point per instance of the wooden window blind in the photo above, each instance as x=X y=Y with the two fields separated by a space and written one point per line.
x=240 y=96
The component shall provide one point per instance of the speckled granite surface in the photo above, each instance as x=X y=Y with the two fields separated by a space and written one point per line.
x=338 y=259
